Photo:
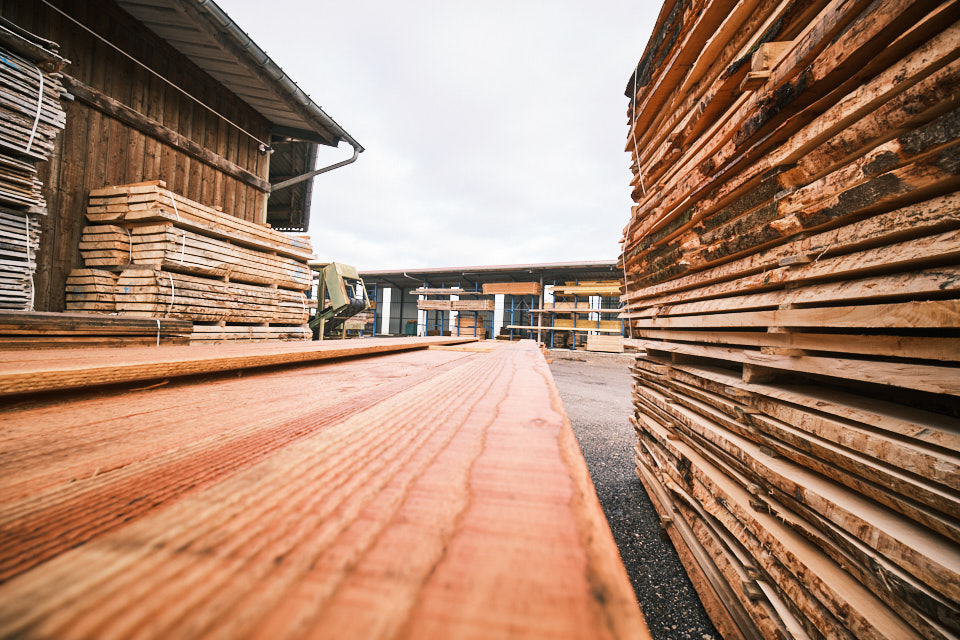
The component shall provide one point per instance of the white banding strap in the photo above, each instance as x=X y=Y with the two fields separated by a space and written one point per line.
x=173 y=294
x=633 y=131
x=158 y=331
x=303 y=303
x=36 y=119
x=130 y=244
x=174 y=202
x=26 y=249
x=183 y=244
x=643 y=190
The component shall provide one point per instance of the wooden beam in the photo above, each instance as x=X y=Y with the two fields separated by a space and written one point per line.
x=133 y=118
x=26 y=373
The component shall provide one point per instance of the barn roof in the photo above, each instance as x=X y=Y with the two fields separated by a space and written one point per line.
x=204 y=33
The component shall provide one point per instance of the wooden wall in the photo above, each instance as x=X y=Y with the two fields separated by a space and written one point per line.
x=97 y=150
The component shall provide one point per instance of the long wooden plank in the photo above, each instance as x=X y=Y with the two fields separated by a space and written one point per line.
x=923 y=348
x=293 y=521
x=914 y=315
x=922 y=377
x=25 y=376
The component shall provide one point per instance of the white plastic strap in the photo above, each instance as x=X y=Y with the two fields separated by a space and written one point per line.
x=130 y=244
x=36 y=119
x=183 y=242
x=173 y=294
x=173 y=200
x=158 y=331
x=33 y=291
x=633 y=131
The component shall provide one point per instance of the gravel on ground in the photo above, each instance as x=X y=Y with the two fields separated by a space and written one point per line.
x=595 y=389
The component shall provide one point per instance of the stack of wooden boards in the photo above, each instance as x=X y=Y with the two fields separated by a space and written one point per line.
x=36 y=330
x=442 y=299
x=153 y=253
x=435 y=493
x=573 y=315
x=792 y=268
x=30 y=120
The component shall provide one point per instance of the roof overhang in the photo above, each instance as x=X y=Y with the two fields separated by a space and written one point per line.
x=549 y=272
x=205 y=34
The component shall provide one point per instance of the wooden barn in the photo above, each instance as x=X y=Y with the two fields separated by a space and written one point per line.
x=172 y=91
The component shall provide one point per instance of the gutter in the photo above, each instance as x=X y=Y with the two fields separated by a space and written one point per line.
x=226 y=32
x=306 y=176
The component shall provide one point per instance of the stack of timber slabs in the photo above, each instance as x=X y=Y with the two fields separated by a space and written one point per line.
x=791 y=268
x=23 y=330
x=441 y=299
x=30 y=120
x=571 y=302
x=168 y=256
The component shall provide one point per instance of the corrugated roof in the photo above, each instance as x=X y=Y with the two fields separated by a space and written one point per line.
x=203 y=32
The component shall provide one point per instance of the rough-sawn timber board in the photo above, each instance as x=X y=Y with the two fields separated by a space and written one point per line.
x=430 y=494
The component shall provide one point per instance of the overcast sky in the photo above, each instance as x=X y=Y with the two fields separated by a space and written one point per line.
x=494 y=131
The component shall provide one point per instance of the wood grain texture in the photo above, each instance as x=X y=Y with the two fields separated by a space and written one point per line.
x=790 y=277
x=28 y=373
x=431 y=494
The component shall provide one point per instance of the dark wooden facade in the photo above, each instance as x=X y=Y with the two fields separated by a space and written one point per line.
x=160 y=134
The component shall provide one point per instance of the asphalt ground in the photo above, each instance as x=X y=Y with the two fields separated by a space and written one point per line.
x=596 y=394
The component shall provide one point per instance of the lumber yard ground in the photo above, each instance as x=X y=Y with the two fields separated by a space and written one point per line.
x=595 y=388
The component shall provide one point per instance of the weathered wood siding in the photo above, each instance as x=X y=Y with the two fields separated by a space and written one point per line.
x=97 y=150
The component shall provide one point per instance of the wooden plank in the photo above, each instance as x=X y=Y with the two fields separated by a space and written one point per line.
x=423 y=455
x=929 y=314
x=924 y=348
x=132 y=365
x=930 y=378
x=512 y=288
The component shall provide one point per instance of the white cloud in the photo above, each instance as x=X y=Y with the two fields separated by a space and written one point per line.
x=494 y=131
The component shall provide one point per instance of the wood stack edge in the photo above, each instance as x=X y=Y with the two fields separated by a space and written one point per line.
x=791 y=270
x=31 y=118
x=149 y=252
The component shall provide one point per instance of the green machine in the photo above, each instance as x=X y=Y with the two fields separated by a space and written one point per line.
x=341 y=296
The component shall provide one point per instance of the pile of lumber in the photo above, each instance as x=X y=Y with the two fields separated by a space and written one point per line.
x=172 y=257
x=604 y=343
x=30 y=120
x=571 y=317
x=428 y=493
x=35 y=330
x=469 y=324
x=19 y=241
x=513 y=288
x=470 y=312
x=792 y=270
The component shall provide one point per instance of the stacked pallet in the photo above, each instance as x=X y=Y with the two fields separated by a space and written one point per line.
x=791 y=269
x=30 y=120
x=172 y=257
